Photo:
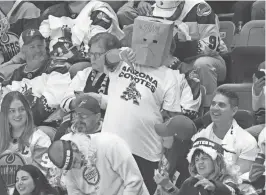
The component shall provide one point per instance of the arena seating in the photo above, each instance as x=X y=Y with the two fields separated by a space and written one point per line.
x=244 y=91
x=248 y=53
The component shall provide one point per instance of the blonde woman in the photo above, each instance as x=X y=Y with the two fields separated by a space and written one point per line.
x=20 y=141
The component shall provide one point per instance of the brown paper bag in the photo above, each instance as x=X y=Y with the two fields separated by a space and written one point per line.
x=152 y=40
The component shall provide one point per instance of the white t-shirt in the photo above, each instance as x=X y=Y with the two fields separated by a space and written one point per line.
x=236 y=139
x=134 y=107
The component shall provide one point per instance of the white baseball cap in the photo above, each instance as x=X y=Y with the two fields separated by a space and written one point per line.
x=165 y=8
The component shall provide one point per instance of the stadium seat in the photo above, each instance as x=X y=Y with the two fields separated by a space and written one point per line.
x=227 y=31
x=244 y=92
x=226 y=16
x=249 y=51
x=244 y=118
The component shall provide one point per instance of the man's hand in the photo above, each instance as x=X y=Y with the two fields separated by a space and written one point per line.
x=129 y=56
x=205 y=183
x=258 y=85
x=144 y=9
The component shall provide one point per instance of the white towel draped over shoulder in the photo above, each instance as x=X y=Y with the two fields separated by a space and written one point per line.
x=82 y=31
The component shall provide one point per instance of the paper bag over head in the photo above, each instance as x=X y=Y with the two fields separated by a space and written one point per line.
x=152 y=40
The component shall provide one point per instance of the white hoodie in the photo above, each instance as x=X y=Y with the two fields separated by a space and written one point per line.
x=115 y=171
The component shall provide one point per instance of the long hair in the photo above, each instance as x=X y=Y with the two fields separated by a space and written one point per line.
x=221 y=170
x=6 y=128
x=40 y=181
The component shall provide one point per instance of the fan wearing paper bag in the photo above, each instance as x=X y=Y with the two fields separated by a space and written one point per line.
x=197 y=38
x=139 y=96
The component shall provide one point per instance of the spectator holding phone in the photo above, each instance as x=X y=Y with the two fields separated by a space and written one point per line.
x=258 y=100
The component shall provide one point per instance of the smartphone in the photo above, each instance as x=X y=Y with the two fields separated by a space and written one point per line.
x=259 y=74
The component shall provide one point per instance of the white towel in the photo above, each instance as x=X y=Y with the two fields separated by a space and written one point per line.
x=52 y=28
x=82 y=30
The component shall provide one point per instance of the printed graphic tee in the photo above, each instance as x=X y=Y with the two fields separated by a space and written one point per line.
x=137 y=98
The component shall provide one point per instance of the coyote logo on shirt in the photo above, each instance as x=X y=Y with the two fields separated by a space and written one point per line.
x=131 y=93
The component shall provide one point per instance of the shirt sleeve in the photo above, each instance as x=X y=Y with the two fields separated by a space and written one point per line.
x=41 y=143
x=77 y=84
x=190 y=94
x=258 y=101
x=122 y=162
x=55 y=87
x=247 y=147
x=171 y=99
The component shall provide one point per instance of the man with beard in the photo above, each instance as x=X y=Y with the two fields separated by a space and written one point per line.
x=40 y=80
x=33 y=47
x=97 y=164
x=86 y=118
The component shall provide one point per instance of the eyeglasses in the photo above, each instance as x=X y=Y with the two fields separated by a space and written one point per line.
x=96 y=55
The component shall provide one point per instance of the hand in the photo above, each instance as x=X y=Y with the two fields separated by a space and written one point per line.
x=172 y=62
x=258 y=85
x=144 y=8
x=205 y=183
x=129 y=56
x=161 y=179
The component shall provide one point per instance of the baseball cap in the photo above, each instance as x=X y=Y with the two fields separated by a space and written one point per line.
x=60 y=153
x=88 y=105
x=180 y=126
x=27 y=36
x=165 y=8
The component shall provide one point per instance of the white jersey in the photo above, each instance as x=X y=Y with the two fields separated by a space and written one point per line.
x=236 y=140
x=51 y=85
x=134 y=106
x=35 y=154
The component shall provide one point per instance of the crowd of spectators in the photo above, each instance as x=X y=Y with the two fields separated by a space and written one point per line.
x=80 y=116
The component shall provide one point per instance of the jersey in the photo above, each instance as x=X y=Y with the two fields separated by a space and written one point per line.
x=36 y=154
x=137 y=98
x=203 y=27
x=44 y=92
x=87 y=80
x=22 y=16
